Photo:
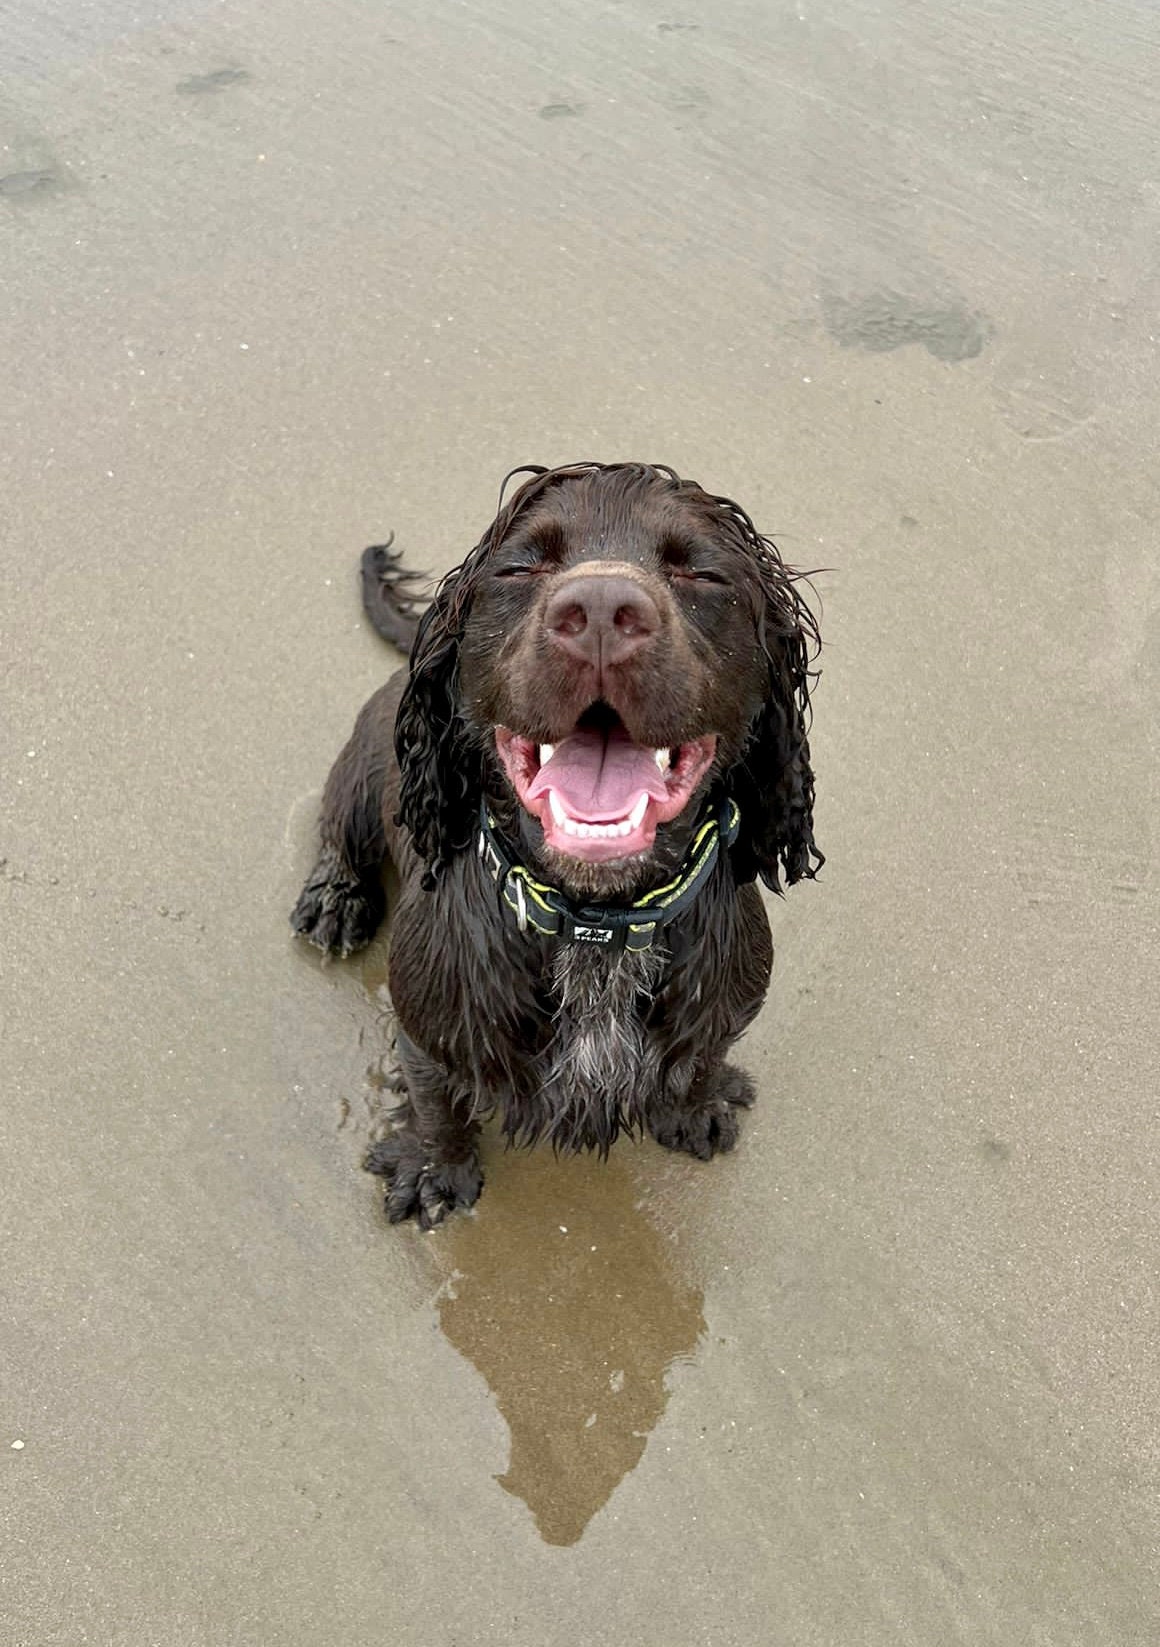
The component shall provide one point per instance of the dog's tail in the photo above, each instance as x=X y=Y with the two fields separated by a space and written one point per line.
x=392 y=596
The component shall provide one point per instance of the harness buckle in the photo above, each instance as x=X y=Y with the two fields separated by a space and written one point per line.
x=489 y=857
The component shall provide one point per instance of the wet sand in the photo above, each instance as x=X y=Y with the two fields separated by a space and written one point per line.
x=278 y=279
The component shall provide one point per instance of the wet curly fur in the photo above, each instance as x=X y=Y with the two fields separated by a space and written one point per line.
x=568 y=1044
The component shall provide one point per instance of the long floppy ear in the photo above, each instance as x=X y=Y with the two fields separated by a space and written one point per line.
x=440 y=770
x=440 y=765
x=773 y=784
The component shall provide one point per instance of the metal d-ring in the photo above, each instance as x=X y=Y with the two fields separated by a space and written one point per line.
x=521 y=905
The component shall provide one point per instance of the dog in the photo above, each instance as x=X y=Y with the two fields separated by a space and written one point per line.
x=599 y=746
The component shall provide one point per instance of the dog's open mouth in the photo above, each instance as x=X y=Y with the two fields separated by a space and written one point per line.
x=597 y=794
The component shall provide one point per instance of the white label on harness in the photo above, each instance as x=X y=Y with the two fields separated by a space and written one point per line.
x=592 y=934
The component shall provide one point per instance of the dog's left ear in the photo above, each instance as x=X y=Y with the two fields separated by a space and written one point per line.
x=440 y=770
x=773 y=783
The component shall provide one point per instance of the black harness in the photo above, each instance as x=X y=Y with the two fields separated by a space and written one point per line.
x=542 y=909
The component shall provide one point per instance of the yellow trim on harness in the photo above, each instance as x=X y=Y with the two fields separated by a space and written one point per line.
x=529 y=898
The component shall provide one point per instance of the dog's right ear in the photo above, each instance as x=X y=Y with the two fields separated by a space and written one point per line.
x=440 y=764
x=441 y=771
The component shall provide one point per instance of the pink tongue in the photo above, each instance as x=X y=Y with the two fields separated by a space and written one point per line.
x=599 y=776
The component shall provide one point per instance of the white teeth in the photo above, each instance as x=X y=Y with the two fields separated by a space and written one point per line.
x=596 y=831
x=547 y=750
x=663 y=759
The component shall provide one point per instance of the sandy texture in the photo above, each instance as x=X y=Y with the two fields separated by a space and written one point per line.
x=278 y=278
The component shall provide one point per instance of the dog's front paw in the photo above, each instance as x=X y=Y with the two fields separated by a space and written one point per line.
x=709 y=1124
x=334 y=912
x=417 y=1185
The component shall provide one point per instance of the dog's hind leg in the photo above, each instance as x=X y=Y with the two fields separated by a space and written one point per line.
x=342 y=903
x=431 y=1160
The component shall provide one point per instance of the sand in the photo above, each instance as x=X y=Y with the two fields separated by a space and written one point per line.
x=281 y=278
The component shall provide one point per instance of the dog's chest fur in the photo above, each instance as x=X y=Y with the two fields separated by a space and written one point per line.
x=598 y=1069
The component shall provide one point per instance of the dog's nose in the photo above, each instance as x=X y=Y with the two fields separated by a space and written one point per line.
x=601 y=618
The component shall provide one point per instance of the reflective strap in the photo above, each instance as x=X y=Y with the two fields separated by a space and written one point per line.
x=545 y=910
x=521 y=894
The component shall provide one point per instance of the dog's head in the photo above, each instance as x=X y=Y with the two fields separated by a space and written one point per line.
x=619 y=644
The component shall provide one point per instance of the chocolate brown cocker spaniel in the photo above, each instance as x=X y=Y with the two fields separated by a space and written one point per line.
x=599 y=746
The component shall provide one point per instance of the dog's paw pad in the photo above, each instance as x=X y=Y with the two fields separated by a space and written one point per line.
x=420 y=1188
x=713 y=1130
x=710 y=1128
x=336 y=916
